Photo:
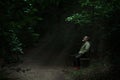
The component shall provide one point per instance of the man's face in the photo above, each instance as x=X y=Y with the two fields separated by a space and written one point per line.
x=85 y=38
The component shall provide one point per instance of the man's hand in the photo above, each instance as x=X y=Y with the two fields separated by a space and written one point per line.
x=80 y=52
x=77 y=56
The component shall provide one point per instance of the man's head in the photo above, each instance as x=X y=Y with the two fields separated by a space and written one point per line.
x=85 y=38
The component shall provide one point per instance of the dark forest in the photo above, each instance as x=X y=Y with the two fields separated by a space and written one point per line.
x=39 y=37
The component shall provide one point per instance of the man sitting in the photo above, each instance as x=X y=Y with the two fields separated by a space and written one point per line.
x=83 y=53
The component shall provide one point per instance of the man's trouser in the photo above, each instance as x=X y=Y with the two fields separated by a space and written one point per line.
x=77 y=60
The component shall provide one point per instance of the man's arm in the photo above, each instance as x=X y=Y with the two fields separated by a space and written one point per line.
x=85 y=49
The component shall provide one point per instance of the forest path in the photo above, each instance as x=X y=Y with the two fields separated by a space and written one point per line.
x=42 y=63
x=47 y=61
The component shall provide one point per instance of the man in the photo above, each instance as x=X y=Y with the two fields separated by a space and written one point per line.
x=84 y=51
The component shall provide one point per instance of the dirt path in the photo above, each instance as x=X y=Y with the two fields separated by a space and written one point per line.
x=47 y=60
x=40 y=73
x=41 y=63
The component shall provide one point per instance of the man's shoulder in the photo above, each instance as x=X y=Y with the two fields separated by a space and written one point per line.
x=87 y=42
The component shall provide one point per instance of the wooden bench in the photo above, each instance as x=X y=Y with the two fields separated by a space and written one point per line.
x=84 y=62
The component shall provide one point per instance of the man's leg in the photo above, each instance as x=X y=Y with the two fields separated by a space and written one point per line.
x=76 y=62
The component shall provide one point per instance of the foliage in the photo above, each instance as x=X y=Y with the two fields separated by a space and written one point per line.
x=18 y=23
x=16 y=15
x=96 y=71
x=82 y=18
x=14 y=42
x=102 y=15
x=92 y=11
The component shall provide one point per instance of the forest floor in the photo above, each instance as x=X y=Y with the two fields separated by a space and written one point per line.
x=47 y=60
x=41 y=63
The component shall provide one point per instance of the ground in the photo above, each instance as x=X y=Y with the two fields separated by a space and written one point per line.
x=41 y=63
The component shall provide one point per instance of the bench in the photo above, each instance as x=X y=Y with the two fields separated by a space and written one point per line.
x=84 y=61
